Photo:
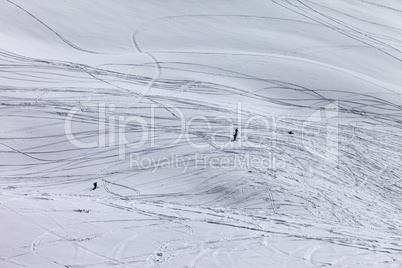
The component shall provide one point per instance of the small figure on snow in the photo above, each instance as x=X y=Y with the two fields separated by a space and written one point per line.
x=235 y=134
x=290 y=132
x=95 y=186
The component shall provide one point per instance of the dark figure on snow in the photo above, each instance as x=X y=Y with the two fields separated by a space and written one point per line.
x=95 y=186
x=235 y=134
x=290 y=132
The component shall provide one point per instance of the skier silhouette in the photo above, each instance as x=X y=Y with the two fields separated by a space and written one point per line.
x=235 y=134
x=95 y=186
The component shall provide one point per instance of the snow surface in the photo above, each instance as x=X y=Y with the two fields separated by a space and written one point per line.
x=329 y=195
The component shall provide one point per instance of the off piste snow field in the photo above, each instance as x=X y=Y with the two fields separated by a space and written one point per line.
x=143 y=99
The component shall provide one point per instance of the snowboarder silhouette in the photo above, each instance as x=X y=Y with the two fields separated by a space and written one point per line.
x=95 y=186
x=235 y=134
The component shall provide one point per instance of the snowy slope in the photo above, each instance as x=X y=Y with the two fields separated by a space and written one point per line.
x=143 y=97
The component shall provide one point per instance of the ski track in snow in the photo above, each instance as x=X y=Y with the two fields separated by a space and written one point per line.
x=309 y=214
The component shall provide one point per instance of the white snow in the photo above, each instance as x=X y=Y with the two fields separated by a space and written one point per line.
x=174 y=79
